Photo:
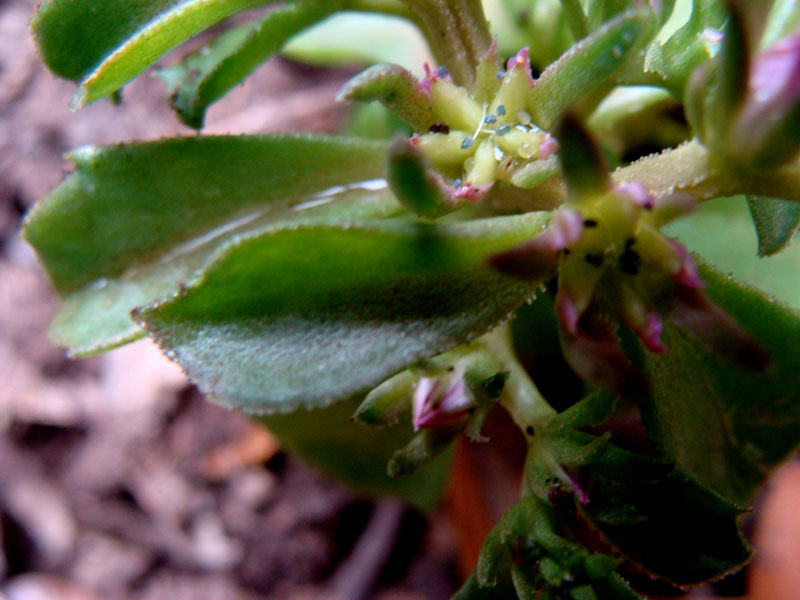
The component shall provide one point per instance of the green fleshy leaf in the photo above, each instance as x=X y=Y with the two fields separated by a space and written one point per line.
x=134 y=223
x=97 y=317
x=104 y=49
x=327 y=439
x=359 y=38
x=726 y=427
x=776 y=221
x=203 y=77
x=127 y=205
x=313 y=315
x=588 y=64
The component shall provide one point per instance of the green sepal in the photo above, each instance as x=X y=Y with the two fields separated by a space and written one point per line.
x=687 y=48
x=424 y=447
x=417 y=187
x=582 y=163
x=395 y=88
x=728 y=86
x=391 y=400
x=357 y=455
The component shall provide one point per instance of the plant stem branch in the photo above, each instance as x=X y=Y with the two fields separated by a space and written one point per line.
x=520 y=396
x=457 y=32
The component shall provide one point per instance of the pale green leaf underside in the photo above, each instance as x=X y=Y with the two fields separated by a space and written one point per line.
x=97 y=317
x=358 y=38
x=324 y=312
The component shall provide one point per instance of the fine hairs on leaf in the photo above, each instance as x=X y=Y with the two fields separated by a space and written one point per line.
x=549 y=219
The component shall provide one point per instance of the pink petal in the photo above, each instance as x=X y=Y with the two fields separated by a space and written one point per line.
x=595 y=355
x=688 y=275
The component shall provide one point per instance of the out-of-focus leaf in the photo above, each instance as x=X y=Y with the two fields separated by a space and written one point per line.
x=358 y=455
x=133 y=223
x=688 y=46
x=724 y=426
x=776 y=221
x=538 y=24
x=359 y=38
x=206 y=75
x=104 y=47
x=722 y=232
x=587 y=64
x=783 y=20
x=319 y=313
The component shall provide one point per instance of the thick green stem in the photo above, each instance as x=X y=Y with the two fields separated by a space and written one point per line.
x=690 y=169
x=457 y=32
x=387 y=7
x=520 y=397
x=686 y=169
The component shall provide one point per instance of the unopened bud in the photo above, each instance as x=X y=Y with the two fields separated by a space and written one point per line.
x=442 y=400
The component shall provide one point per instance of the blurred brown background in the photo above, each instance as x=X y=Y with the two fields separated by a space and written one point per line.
x=118 y=481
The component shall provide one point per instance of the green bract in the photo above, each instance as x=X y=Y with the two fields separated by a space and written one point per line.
x=309 y=278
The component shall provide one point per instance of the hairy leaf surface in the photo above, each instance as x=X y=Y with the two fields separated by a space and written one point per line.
x=323 y=312
x=727 y=427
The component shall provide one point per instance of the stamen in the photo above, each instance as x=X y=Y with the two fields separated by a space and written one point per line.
x=503 y=129
x=501 y=110
x=524 y=117
x=490 y=119
x=467 y=142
